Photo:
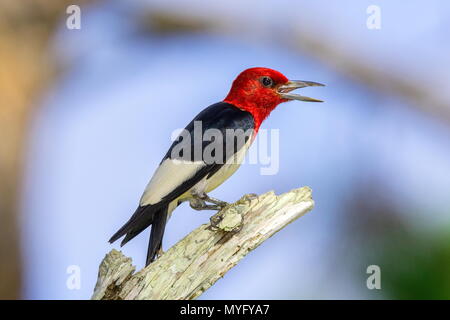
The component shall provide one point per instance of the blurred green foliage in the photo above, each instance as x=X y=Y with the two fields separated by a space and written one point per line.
x=416 y=267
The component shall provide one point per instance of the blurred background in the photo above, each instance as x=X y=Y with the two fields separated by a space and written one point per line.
x=86 y=115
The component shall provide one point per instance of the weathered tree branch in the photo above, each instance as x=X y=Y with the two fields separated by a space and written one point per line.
x=196 y=262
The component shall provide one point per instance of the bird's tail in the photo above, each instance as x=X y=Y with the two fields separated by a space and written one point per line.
x=154 y=215
x=156 y=235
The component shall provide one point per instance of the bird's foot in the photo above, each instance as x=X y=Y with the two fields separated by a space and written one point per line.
x=229 y=219
x=215 y=201
x=198 y=202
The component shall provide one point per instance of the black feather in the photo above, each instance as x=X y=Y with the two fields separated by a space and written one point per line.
x=220 y=116
x=156 y=235
x=154 y=215
x=141 y=219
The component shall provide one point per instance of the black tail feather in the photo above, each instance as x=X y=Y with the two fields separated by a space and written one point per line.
x=156 y=235
x=155 y=215
x=140 y=220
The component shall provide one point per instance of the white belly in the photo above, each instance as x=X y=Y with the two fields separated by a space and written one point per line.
x=230 y=167
x=207 y=185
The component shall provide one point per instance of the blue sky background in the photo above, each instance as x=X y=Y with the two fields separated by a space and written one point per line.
x=102 y=130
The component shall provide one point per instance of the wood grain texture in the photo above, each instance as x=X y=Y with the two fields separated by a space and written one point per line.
x=196 y=262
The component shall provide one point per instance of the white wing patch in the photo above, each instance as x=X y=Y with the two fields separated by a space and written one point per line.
x=169 y=175
x=172 y=173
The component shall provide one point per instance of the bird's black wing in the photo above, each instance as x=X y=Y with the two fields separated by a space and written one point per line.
x=222 y=117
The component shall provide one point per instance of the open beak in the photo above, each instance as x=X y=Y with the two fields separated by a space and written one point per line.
x=285 y=89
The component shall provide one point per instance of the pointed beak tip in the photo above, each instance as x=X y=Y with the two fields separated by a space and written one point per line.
x=291 y=85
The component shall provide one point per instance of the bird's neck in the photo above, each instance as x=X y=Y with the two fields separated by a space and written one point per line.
x=259 y=111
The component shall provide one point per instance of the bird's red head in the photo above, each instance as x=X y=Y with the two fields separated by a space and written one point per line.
x=260 y=90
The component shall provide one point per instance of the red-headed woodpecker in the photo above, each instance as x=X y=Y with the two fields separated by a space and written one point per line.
x=185 y=175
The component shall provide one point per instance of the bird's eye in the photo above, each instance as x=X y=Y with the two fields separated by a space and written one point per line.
x=267 y=82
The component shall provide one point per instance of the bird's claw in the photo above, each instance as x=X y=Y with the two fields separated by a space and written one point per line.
x=215 y=220
x=198 y=202
x=215 y=201
x=229 y=219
